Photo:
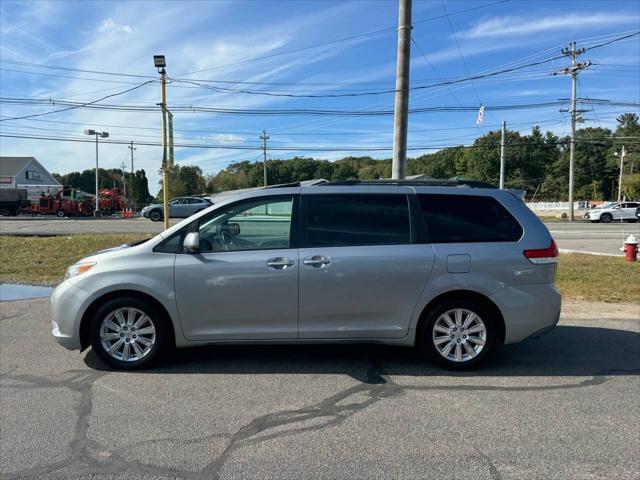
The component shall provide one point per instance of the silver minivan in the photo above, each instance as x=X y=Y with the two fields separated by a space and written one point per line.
x=445 y=266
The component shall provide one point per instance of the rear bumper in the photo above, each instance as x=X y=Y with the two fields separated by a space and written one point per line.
x=528 y=310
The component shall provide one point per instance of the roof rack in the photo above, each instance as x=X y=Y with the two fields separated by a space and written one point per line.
x=303 y=183
x=284 y=185
x=415 y=183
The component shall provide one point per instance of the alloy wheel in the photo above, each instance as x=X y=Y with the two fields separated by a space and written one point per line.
x=127 y=334
x=459 y=335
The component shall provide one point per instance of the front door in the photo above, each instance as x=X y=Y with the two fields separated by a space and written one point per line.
x=360 y=274
x=243 y=284
x=628 y=210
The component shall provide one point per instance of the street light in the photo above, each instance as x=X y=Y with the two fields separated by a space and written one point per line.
x=160 y=63
x=622 y=154
x=98 y=135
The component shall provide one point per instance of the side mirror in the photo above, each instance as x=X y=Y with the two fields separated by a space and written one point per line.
x=191 y=242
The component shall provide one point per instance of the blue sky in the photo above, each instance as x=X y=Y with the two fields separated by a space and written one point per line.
x=251 y=41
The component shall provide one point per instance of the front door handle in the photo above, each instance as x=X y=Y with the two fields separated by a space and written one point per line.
x=317 y=261
x=280 y=263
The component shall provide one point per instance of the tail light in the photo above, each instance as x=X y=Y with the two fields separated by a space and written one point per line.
x=543 y=255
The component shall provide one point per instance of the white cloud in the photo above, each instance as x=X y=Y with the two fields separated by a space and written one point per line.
x=228 y=137
x=110 y=27
x=512 y=25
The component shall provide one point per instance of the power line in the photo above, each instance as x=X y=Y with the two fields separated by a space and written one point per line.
x=619 y=39
x=81 y=105
x=301 y=148
x=283 y=112
x=285 y=134
x=469 y=78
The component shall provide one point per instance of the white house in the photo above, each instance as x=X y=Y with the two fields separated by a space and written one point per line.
x=27 y=172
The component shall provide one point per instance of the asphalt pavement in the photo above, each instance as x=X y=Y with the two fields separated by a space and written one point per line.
x=579 y=236
x=564 y=406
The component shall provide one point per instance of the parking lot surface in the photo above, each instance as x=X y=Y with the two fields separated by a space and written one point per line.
x=579 y=236
x=563 y=406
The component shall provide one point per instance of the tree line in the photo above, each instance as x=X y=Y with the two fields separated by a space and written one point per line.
x=137 y=183
x=537 y=163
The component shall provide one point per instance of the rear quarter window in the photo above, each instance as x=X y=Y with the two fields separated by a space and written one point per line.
x=467 y=218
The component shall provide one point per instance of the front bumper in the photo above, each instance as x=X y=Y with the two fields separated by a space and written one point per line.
x=67 y=303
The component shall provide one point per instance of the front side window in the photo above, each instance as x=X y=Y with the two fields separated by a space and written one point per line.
x=468 y=218
x=259 y=224
x=357 y=219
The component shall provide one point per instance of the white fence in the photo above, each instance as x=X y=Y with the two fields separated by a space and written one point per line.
x=557 y=205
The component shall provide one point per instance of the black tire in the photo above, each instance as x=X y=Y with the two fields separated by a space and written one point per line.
x=426 y=335
x=60 y=213
x=155 y=215
x=5 y=212
x=163 y=340
x=606 y=218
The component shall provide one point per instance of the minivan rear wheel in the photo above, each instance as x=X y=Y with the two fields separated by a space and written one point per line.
x=129 y=333
x=459 y=334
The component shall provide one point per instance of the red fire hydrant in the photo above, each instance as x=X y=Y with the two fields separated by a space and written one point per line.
x=631 y=248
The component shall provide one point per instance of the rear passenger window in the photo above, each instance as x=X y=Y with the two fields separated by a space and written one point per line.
x=468 y=218
x=342 y=220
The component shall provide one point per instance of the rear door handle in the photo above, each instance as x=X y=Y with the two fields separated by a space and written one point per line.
x=280 y=263
x=317 y=261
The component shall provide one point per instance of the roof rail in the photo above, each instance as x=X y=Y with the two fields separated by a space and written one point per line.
x=415 y=183
x=284 y=185
x=303 y=183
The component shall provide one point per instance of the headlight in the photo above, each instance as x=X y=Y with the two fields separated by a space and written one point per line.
x=78 y=269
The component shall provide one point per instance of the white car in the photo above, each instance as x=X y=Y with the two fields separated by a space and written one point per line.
x=613 y=211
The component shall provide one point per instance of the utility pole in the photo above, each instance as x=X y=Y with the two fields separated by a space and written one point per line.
x=264 y=137
x=132 y=148
x=401 y=107
x=573 y=70
x=124 y=181
x=170 y=117
x=160 y=63
x=623 y=152
x=502 y=141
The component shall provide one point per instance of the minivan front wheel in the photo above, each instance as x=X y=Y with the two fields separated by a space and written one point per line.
x=459 y=335
x=128 y=333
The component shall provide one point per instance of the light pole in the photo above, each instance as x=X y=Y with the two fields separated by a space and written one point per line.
x=100 y=135
x=160 y=63
x=622 y=154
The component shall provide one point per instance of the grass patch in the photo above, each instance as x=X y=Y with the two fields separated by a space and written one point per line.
x=43 y=260
x=605 y=279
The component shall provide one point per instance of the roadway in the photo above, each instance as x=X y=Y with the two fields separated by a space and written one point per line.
x=563 y=406
x=580 y=236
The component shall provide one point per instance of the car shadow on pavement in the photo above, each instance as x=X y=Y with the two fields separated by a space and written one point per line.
x=566 y=351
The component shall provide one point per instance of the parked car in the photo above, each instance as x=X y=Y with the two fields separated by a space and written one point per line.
x=182 y=207
x=614 y=211
x=453 y=270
